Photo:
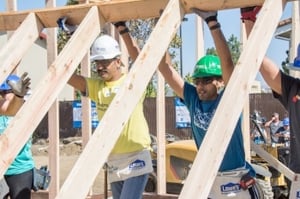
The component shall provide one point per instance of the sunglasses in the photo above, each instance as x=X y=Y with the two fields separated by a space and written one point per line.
x=104 y=62
x=203 y=81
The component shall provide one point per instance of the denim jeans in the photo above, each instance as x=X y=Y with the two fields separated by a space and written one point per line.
x=132 y=188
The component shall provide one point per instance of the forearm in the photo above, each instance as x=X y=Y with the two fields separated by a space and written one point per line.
x=268 y=69
x=131 y=46
x=222 y=50
x=10 y=105
x=267 y=124
x=78 y=82
x=171 y=76
x=271 y=74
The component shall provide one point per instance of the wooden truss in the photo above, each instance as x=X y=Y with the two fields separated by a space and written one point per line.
x=91 y=18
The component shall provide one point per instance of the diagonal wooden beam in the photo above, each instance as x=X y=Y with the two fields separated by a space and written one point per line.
x=116 y=10
x=47 y=90
x=273 y=161
x=18 y=44
x=105 y=136
x=220 y=131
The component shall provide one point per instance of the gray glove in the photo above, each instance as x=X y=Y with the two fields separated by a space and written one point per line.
x=20 y=87
x=207 y=16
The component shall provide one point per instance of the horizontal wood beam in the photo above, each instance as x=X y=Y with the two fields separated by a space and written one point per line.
x=115 y=10
x=47 y=90
x=19 y=43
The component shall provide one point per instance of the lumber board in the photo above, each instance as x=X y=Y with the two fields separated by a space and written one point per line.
x=273 y=161
x=48 y=89
x=115 y=10
x=19 y=43
x=161 y=134
x=53 y=115
x=106 y=134
x=227 y=114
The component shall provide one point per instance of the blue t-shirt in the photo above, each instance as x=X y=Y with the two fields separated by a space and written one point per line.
x=24 y=160
x=201 y=113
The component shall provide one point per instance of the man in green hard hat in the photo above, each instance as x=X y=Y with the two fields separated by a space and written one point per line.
x=235 y=178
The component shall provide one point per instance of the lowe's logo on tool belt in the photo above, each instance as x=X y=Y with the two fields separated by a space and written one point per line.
x=138 y=164
x=230 y=187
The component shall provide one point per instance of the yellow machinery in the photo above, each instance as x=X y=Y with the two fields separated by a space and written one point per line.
x=277 y=180
x=181 y=154
x=179 y=159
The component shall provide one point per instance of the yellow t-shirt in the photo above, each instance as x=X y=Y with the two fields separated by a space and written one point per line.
x=135 y=135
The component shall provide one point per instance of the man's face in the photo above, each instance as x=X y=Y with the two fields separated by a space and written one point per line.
x=275 y=117
x=206 y=88
x=108 y=69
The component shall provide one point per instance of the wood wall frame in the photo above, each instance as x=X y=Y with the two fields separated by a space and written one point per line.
x=91 y=18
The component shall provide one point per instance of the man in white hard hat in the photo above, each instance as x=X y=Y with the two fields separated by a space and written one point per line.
x=130 y=161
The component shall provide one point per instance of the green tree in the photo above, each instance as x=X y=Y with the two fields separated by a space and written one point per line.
x=140 y=30
x=234 y=47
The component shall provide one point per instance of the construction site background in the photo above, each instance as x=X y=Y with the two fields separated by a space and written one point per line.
x=263 y=102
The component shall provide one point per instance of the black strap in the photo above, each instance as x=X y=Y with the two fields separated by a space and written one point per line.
x=253 y=192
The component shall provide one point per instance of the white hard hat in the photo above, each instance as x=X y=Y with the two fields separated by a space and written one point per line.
x=105 y=47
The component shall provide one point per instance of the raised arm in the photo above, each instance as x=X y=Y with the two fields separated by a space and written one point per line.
x=78 y=82
x=10 y=104
x=219 y=40
x=131 y=46
x=171 y=76
x=268 y=69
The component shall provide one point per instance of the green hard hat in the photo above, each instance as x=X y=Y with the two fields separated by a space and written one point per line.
x=207 y=66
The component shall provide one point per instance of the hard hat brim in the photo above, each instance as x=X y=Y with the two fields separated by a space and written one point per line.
x=103 y=57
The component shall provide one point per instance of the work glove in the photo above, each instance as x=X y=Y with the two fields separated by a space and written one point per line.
x=207 y=16
x=64 y=26
x=20 y=87
x=121 y=23
x=249 y=13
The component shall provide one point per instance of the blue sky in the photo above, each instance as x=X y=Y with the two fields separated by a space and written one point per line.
x=229 y=19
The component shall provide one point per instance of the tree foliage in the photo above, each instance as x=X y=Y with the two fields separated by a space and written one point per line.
x=234 y=47
x=140 y=30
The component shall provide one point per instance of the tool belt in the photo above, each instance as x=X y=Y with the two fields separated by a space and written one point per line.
x=232 y=184
x=41 y=178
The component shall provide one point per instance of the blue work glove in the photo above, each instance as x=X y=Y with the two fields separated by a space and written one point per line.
x=20 y=87
x=64 y=26
x=207 y=16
